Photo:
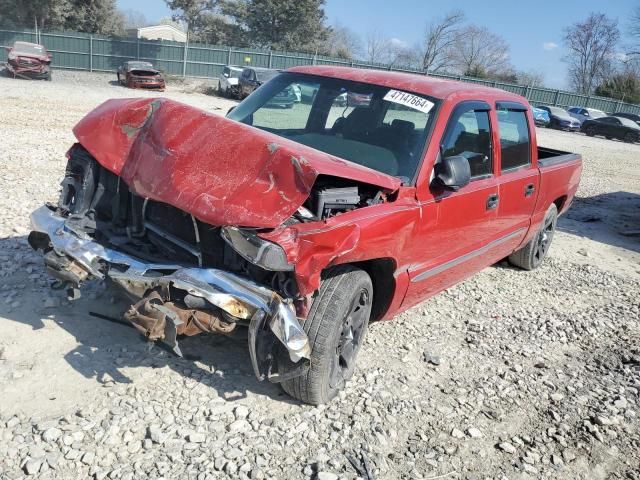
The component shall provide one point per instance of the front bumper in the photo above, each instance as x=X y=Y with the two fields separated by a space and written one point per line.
x=239 y=297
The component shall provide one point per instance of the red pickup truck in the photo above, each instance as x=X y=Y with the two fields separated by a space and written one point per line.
x=302 y=224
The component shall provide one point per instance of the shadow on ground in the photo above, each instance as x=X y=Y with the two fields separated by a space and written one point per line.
x=609 y=218
x=108 y=349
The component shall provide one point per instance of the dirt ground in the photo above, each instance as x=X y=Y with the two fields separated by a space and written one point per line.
x=508 y=375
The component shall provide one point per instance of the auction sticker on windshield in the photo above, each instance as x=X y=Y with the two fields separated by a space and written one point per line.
x=409 y=100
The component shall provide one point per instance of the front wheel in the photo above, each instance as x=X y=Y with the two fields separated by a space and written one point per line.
x=533 y=253
x=336 y=327
x=590 y=131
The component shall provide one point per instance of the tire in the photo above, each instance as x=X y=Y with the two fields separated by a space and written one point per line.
x=119 y=79
x=631 y=137
x=336 y=326
x=533 y=253
x=49 y=76
x=590 y=131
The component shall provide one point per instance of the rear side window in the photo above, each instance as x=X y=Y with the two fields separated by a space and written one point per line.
x=515 y=144
x=469 y=135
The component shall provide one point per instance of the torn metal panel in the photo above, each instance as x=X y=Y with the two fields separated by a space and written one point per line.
x=220 y=171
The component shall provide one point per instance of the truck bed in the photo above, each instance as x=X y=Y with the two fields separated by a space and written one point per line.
x=549 y=156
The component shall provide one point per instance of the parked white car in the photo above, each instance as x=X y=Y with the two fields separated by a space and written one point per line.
x=228 y=81
x=582 y=114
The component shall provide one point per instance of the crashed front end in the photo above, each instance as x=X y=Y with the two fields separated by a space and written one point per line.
x=147 y=79
x=101 y=230
x=28 y=67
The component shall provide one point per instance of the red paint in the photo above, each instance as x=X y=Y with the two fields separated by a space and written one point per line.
x=227 y=173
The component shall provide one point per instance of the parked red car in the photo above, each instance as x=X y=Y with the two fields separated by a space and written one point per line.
x=29 y=60
x=136 y=74
x=303 y=229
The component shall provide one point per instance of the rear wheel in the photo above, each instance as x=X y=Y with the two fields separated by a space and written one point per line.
x=336 y=326
x=631 y=137
x=533 y=253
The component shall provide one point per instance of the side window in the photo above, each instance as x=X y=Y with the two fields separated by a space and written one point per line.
x=226 y=72
x=469 y=135
x=515 y=145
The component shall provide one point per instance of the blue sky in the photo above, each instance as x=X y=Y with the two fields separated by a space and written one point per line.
x=532 y=29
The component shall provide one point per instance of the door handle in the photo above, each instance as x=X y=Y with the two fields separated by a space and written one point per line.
x=492 y=201
x=529 y=189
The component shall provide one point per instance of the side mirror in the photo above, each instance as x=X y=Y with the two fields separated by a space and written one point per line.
x=452 y=173
x=225 y=74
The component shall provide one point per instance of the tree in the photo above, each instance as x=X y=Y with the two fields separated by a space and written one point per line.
x=90 y=16
x=531 y=78
x=634 y=31
x=623 y=86
x=439 y=39
x=591 y=46
x=283 y=24
x=377 y=47
x=342 y=42
x=134 y=19
x=478 y=52
x=208 y=21
x=26 y=13
x=96 y=16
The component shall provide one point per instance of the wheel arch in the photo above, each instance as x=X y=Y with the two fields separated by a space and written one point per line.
x=381 y=271
x=560 y=202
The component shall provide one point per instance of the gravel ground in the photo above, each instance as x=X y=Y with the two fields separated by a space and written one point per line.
x=509 y=375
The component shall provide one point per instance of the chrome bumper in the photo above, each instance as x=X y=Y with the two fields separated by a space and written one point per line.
x=235 y=295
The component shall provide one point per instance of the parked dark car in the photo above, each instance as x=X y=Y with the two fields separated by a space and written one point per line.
x=613 y=127
x=136 y=74
x=631 y=116
x=252 y=78
x=29 y=60
x=559 y=118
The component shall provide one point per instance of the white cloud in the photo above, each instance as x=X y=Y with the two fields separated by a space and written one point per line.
x=397 y=43
x=549 y=45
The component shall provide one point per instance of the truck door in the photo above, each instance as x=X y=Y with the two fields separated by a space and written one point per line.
x=519 y=177
x=454 y=238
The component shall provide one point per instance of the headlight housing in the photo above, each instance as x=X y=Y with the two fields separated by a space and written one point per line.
x=262 y=253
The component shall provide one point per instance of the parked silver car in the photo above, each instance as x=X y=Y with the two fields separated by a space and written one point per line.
x=581 y=114
x=228 y=81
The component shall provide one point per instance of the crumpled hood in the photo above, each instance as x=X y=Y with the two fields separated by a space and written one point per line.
x=221 y=171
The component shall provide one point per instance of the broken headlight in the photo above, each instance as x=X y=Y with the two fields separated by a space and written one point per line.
x=262 y=253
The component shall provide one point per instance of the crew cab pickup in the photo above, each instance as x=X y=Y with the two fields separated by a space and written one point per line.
x=304 y=224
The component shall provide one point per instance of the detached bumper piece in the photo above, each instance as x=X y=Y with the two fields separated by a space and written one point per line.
x=171 y=300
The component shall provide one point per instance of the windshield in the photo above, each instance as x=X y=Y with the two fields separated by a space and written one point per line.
x=596 y=113
x=266 y=75
x=628 y=123
x=558 y=111
x=374 y=126
x=139 y=65
x=29 y=48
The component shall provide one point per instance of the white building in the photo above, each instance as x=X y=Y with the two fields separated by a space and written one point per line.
x=159 y=32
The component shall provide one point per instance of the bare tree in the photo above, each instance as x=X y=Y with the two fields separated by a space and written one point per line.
x=439 y=39
x=134 y=19
x=477 y=51
x=377 y=47
x=531 y=78
x=634 y=31
x=591 y=46
x=343 y=42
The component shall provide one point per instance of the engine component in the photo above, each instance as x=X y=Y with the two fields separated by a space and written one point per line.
x=329 y=201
